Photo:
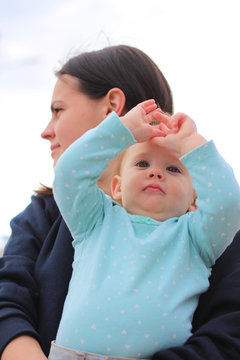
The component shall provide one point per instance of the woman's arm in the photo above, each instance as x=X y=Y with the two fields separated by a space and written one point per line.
x=216 y=322
x=19 y=290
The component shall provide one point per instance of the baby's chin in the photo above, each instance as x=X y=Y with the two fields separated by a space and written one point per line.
x=156 y=215
x=160 y=215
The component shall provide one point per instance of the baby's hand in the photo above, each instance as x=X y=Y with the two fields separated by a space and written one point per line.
x=182 y=137
x=138 y=121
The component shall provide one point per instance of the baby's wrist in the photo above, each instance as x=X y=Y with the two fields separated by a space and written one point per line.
x=191 y=143
x=128 y=123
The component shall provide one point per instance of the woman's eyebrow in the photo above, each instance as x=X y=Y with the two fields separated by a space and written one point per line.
x=54 y=103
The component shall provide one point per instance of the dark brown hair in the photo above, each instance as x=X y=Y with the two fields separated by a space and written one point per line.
x=124 y=67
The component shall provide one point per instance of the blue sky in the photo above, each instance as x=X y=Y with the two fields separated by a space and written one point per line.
x=194 y=42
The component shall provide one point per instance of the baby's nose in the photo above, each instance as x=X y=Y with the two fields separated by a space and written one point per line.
x=155 y=172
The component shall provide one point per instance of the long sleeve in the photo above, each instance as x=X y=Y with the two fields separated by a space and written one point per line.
x=19 y=289
x=80 y=166
x=217 y=218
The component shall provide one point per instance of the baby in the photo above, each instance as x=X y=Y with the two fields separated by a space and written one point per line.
x=139 y=268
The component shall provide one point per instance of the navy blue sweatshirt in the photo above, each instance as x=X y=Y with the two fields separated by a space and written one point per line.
x=35 y=272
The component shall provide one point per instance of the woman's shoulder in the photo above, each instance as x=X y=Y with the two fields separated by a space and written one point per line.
x=41 y=207
x=33 y=224
x=45 y=205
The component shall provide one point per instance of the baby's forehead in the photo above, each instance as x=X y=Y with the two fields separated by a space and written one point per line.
x=150 y=149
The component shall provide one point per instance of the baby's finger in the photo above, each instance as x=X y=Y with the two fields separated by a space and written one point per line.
x=164 y=128
x=149 y=108
x=156 y=132
x=148 y=105
x=156 y=117
x=152 y=117
x=178 y=119
x=157 y=114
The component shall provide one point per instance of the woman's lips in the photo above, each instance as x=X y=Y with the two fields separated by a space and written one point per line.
x=54 y=148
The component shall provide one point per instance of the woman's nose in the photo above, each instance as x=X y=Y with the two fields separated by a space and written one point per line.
x=48 y=133
x=155 y=173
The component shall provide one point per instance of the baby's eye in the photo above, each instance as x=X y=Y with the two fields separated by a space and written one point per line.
x=142 y=163
x=173 y=169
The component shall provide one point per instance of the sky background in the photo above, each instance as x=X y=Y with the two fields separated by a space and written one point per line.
x=194 y=42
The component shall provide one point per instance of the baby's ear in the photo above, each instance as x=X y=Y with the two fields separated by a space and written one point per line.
x=193 y=205
x=116 y=188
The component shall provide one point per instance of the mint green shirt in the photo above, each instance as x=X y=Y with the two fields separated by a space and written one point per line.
x=136 y=281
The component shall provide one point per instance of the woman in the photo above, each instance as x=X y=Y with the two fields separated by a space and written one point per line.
x=37 y=263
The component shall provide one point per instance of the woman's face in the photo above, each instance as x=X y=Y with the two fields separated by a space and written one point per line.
x=73 y=113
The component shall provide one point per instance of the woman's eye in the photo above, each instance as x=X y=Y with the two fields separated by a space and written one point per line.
x=142 y=163
x=57 y=110
x=173 y=169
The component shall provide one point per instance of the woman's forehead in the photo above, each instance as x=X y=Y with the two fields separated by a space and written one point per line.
x=65 y=83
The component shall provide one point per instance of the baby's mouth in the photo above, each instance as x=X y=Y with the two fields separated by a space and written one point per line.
x=153 y=188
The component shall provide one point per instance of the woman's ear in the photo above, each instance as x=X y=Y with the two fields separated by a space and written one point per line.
x=116 y=188
x=116 y=101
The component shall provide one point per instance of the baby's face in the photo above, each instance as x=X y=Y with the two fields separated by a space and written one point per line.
x=155 y=183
